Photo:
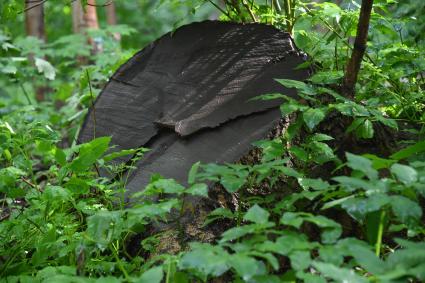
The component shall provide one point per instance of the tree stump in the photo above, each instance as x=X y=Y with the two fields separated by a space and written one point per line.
x=188 y=97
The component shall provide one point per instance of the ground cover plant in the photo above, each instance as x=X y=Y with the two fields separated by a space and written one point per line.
x=339 y=196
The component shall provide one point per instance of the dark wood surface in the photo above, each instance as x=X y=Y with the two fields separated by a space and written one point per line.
x=187 y=96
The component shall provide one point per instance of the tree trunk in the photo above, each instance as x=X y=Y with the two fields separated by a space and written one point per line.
x=34 y=26
x=34 y=19
x=86 y=19
x=111 y=18
x=353 y=65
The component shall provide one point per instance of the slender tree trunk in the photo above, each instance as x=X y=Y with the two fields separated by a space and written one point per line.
x=111 y=18
x=353 y=65
x=78 y=21
x=34 y=26
x=83 y=19
x=34 y=19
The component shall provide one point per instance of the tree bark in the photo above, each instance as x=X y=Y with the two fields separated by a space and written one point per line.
x=86 y=19
x=34 y=26
x=353 y=65
x=34 y=19
x=111 y=18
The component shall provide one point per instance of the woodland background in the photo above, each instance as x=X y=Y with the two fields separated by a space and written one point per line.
x=346 y=179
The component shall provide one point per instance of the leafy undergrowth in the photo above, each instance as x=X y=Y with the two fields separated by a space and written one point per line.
x=328 y=214
x=61 y=222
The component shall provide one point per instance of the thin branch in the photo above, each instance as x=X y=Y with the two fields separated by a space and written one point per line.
x=100 y=5
x=219 y=8
x=32 y=6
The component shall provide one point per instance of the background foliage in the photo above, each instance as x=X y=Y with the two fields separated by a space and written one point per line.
x=363 y=221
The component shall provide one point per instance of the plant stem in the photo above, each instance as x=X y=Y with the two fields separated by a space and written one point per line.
x=251 y=13
x=380 y=233
x=119 y=263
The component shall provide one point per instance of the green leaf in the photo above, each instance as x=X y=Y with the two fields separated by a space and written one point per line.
x=104 y=226
x=153 y=275
x=355 y=124
x=302 y=87
x=121 y=153
x=192 y=173
x=56 y=193
x=361 y=164
x=405 y=174
x=329 y=77
x=360 y=207
x=300 y=260
x=219 y=213
x=331 y=229
x=198 y=190
x=409 y=151
x=406 y=210
x=167 y=186
x=89 y=153
x=315 y=184
x=313 y=116
x=378 y=162
x=257 y=214
x=46 y=68
x=339 y=274
x=365 y=130
x=247 y=267
x=60 y=156
x=206 y=259
x=232 y=183
x=352 y=184
x=240 y=231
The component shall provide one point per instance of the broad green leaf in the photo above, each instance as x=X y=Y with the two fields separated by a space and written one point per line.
x=257 y=214
x=339 y=274
x=192 y=173
x=104 y=226
x=89 y=153
x=219 y=213
x=291 y=106
x=153 y=275
x=315 y=184
x=121 y=153
x=406 y=210
x=363 y=254
x=167 y=186
x=240 y=231
x=355 y=124
x=301 y=86
x=405 y=174
x=232 y=183
x=378 y=162
x=247 y=267
x=360 y=207
x=300 y=260
x=319 y=137
x=60 y=156
x=329 y=77
x=56 y=194
x=331 y=229
x=409 y=151
x=206 y=259
x=361 y=164
x=198 y=190
x=313 y=116
x=352 y=184
x=365 y=130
